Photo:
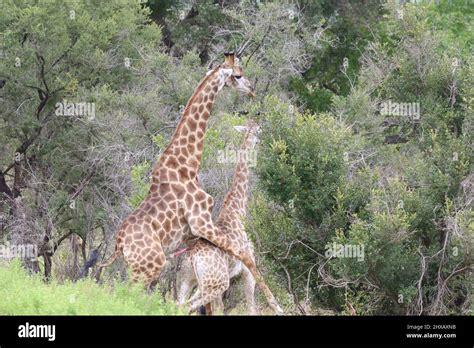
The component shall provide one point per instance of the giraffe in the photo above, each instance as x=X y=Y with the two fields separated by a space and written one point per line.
x=176 y=208
x=209 y=267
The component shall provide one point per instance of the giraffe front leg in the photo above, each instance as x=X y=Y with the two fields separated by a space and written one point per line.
x=196 y=296
x=218 y=305
x=201 y=225
x=208 y=295
x=249 y=291
x=187 y=281
x=185 y=288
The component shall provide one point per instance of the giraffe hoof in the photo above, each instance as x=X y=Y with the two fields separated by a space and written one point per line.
x=278 y=310
x=202 y=310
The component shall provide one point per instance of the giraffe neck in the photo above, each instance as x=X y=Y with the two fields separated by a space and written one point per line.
x=236 y=198
x=184 y=151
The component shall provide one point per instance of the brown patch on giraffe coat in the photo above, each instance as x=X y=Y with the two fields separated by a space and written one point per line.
x=163 y=174
x=179 y=190
x=167 y=225
x=191 y=148
x=184 y=173
x=162 y=205
x=200 y=222
x=172 y=162
x=161 y=234
x=189 y=200
x=173 y=175
x=200 y=196
x=169 y=197
x=192 y=124
x=193 y=163
x=164 y=189
x=155 y=225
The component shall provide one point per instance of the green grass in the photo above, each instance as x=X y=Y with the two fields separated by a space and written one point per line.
x=25 y=294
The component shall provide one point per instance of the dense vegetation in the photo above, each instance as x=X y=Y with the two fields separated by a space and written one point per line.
x=25 y=294
x=337 y=163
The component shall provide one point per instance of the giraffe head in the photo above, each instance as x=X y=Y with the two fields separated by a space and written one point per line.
x=252 y=131
x=235 y=77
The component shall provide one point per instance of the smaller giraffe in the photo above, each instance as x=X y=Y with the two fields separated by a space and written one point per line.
x=211 y=268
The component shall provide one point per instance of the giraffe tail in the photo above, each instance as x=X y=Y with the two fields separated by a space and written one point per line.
x=111 y=259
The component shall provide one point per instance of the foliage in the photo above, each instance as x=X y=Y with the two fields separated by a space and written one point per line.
x=394 y=193
x=333 y=169
x=26 y=294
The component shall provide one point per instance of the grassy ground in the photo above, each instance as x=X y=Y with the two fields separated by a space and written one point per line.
x=25 y=294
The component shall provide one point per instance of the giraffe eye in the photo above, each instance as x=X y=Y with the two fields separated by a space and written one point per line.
x=237 y=76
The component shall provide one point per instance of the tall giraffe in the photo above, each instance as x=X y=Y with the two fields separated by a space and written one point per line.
x=209 y=267
x=176 y=207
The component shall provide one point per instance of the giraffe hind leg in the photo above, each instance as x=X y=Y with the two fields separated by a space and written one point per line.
x=147 y=264
x=208 y=296
x=249 y=291
x=202 y=226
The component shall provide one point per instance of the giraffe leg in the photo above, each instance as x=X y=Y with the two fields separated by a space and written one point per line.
x=146 y=264
x=196 y=296
x=201 y=225
x=184 y=290
x=208 y=309
x=218 y=305
x=187 y=281
x=249 y=291
x=210 y=290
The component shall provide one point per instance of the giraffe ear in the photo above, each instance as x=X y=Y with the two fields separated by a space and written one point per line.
x=229 y=58
x=241 y=129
